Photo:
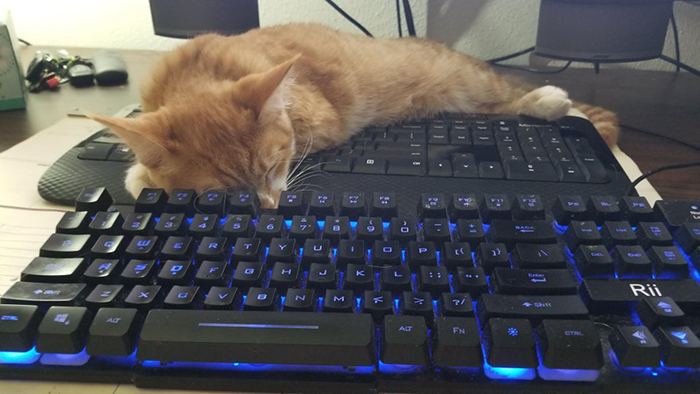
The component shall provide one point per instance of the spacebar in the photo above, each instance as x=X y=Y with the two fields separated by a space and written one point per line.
x=258 y=337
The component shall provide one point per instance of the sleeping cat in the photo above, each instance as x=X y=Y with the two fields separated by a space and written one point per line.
x=233 y=112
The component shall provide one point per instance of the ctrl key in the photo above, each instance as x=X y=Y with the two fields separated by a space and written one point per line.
x=567 y=345
x=18 y=325
x=112 y=332
x=404 y=340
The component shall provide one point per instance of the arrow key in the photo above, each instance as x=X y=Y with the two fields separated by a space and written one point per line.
x=635 y=347
x=657 y=311
x=680 y=348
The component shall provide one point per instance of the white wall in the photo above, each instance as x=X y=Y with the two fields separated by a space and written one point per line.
x=482 y=28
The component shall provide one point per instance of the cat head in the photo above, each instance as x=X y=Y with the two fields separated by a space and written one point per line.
x=227 y=135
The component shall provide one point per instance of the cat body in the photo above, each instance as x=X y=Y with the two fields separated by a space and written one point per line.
x=231 y=112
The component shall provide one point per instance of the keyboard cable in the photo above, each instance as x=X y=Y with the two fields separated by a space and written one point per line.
x=656 y=170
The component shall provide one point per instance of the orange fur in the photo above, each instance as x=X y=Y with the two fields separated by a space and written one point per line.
x=230 y=112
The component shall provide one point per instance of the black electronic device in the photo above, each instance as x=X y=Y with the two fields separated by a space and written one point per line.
x=109 y=68
x=81 y=74
x=186 y=18
x=453 y=254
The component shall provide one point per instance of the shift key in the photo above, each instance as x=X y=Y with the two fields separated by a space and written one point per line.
x=43 y=294
x=534 y=308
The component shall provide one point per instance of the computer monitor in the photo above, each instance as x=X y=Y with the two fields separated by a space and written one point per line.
x=601 y=31
x=187 y=18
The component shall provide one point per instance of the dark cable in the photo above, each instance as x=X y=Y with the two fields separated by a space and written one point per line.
x=534 y=70
x=688 y=144
x=512 y=55
x=348 y=17
x=409 y=18
x=630 y=188
x=24 y=42
x=675 y=40
x=398 y=17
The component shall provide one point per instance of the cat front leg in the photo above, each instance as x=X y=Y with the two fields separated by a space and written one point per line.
x=137 y=178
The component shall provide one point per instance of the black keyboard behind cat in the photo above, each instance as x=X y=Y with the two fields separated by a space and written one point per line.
x=395 y=278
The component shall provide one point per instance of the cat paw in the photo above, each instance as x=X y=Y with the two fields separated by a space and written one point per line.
x=136 y=179
x=548 y=102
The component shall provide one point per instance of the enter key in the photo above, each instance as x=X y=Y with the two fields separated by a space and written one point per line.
x=533 y=281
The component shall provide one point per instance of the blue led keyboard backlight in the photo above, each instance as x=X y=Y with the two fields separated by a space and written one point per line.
x=72 y=360
x=246 y=367
x=509 y=373
x=28 y=357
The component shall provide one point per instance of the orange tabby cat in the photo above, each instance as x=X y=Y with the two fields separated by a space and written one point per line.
x=231 y=112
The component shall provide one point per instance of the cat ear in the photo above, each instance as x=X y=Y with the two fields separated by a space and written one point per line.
x=267 y=92
x=139 y=133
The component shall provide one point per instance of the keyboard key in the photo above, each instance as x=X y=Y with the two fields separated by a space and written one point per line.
x=248 y=274
x=108 y=247
x=63 y=329
x=316 y=251
x=177 y=248
x=213 y=248
x=370 y=229
x=175 y=272
x=457 y=254
x=470 y=231
x=338 y=301
x=636 y=209
x=404 y=340
x=534 y=171
x=221 y=298
x=303 y=227
x=463 y=206
x=531 y=281
x=46 y=269
x=270 y=226
x=213 y=273
x=299 y=338
x=138 y=224
x=534 y=308
x=659 y=311
x=281 y=250
x=490 y=170
x=457 y=343
x=187 y=297
x=142 y=247
x=378 y=304
x=594 y=260
x=359 y=278
x=151 y=200
x=464 y=166
x=618 y=233
x=43 y=294
x=619 y=296
x=511 y=232
x=653 y=234
x=243 y=203
x=492 y=255
x=420 y=254
x=284 y=275
x=299 y=300
x=260 y=299
x=396 y=278
x=667 y=262
x=336 y=228
x=582 y=233
x=679 y=347
x=73 y=223
x=676 y=212
x=471 y=280
x=417 y=304
x=604 y=208
x=291 y=204
x=353 y=205
x=247 y=249
x=384 y=205
x=204 y=226
x=568 y=208
x=528 y=207
x=369 y=165
x=138 y=272
x=112 y=332
x=456 y=304
x=406 y=166
x=635 y=347
x=171 y=224
x=631 y=262
x=688 y=236
x=211 y=201
x=144 y=298
x=350 y=252
x=386 y=253
x=106 y=223
x=434 y=280
x=321 y=204
x=440 y=168
x=538 y=256
x=402 y=230
x=432 y=205
x=509 y=343
x=18 y=325
x=569 y=344
x=101 y=271
x=93 y=200
x=321 y=276
x=103 y=296
x=66 y=246
x=181 y=201
x=496 y=206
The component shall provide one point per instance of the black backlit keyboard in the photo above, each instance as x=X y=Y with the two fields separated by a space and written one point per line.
x=374 y=282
